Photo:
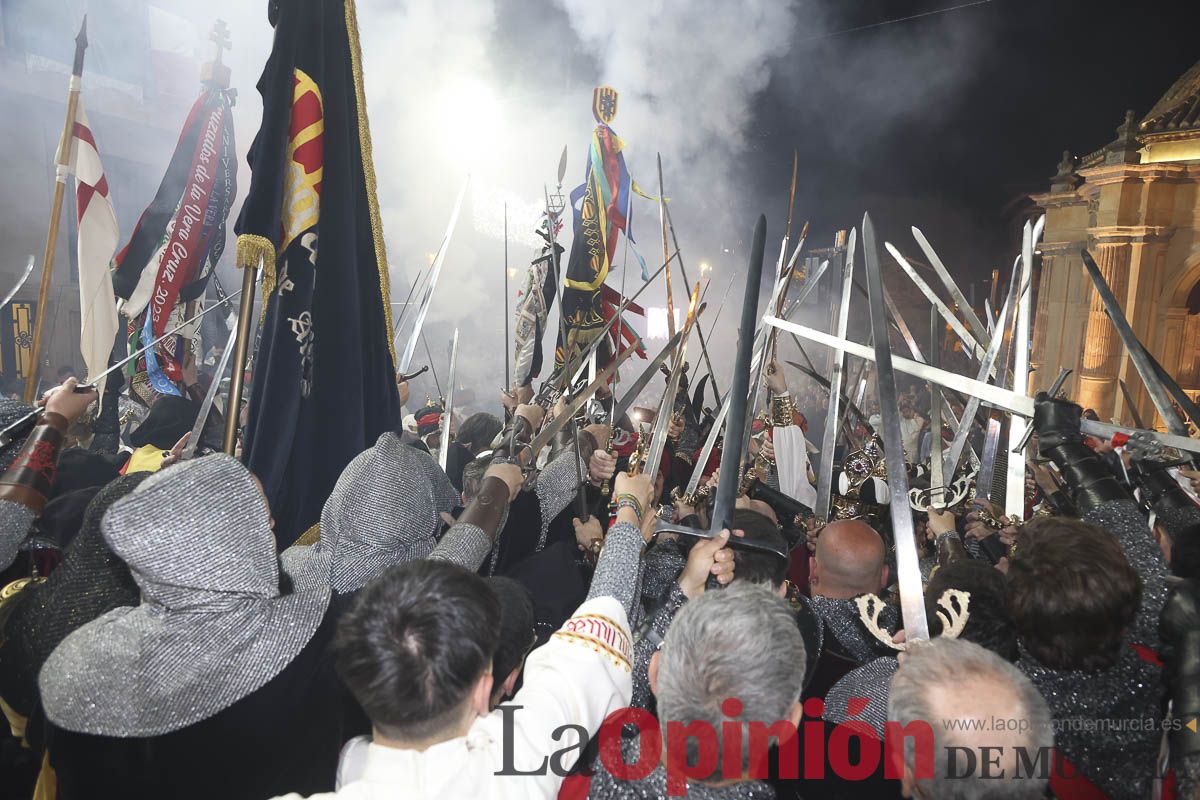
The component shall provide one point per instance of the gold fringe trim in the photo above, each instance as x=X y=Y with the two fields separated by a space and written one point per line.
x=364 y=141
x=252 y=249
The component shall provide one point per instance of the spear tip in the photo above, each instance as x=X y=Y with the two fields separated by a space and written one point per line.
x=81 y=44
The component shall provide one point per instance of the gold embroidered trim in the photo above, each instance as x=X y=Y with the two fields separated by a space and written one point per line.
x=597 y=645
x=782 y=410
x=364 y=142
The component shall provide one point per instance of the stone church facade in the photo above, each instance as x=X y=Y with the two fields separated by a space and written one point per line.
x=1135 y=204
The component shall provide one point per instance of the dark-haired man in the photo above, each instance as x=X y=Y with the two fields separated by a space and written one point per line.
x=515 y=635
x=417 y=652
x=1086 y=598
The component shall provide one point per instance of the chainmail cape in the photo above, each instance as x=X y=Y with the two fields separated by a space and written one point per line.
x=872 y=682
x=89 y=582
x=15 y=518
x=383 y=511
x=843 y=622
x=211 y=627
x=1107 y=721
x=654 y=786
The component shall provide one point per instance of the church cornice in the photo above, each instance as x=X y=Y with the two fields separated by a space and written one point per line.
x=1057 y=199
x=1118 y=173
x=1130 y=234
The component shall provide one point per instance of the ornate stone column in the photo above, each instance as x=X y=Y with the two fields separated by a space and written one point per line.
x=1102 y=346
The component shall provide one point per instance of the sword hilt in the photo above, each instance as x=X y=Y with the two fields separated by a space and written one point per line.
x=401 y=377
x=606 y=487
x=748 y=541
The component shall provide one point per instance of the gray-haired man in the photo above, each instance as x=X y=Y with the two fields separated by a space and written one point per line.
x=731 y=660
x=974 y=726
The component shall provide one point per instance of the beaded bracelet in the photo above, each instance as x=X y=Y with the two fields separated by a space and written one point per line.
x=629 y=501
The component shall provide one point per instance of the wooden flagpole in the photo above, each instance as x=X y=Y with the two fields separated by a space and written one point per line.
x=61 y=163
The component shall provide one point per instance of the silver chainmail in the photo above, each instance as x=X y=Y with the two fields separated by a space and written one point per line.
x=556 y=487
x=873 y=682
x=663 y=563
x=465 y=544
x=15 y=522
x=1107 y=722
x=382 y=511
x=619 y=570
x=648 y=643
x=212 y=626
x=654 y=786
x=840 y=618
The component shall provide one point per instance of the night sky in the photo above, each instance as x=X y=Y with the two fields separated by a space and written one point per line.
x=947 y=121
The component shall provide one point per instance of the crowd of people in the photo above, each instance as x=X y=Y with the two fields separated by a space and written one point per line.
x=515 y=625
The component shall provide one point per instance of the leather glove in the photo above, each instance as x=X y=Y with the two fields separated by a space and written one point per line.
x=1179 y=627
x=1161 y=490
x=1056 y=421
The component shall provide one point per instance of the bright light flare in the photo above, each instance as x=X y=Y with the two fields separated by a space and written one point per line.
x=470 y=120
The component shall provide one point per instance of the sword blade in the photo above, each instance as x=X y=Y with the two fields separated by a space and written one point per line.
x=21 y=282
x=683 y=272
x=210 y=397
x=710 y=442
x=731 y=453
x=972 y=406
x=1014 y=494
x=1133 y=412
x=829 y=435
x=972 y=346
x=937 y=474
x=995 y=396
x=551 y=428
x=912 y=602
x=644 y=379
x=662 y=219
x=404 y=307
x=980 y=332
x=507 y=335
x=7 y=434
x=448 y=413
x=658 y=444
x=1158 y=395
x=906 y=334
x=435 y=271
x=787 y=231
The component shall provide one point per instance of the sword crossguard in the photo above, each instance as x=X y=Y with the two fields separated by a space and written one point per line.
x=749 y=542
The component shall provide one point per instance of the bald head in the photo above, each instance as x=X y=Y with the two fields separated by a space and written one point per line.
x=848 y=560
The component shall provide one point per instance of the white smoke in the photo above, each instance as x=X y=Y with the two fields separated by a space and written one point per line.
x=495 y=89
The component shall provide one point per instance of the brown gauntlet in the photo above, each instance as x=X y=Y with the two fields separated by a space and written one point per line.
x=28 y=480
x=488 y=508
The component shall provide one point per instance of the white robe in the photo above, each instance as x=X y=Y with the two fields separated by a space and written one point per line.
x=579 y=677
x=791 y=461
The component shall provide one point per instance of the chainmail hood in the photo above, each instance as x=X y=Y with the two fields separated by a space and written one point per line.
x=89 y=582
x=212 y=626
x=382 y=511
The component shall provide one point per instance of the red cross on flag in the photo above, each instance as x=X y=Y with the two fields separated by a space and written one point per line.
x=97 y=241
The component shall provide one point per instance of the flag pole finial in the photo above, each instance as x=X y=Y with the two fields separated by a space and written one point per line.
x=81 y=43
x=215 y=72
